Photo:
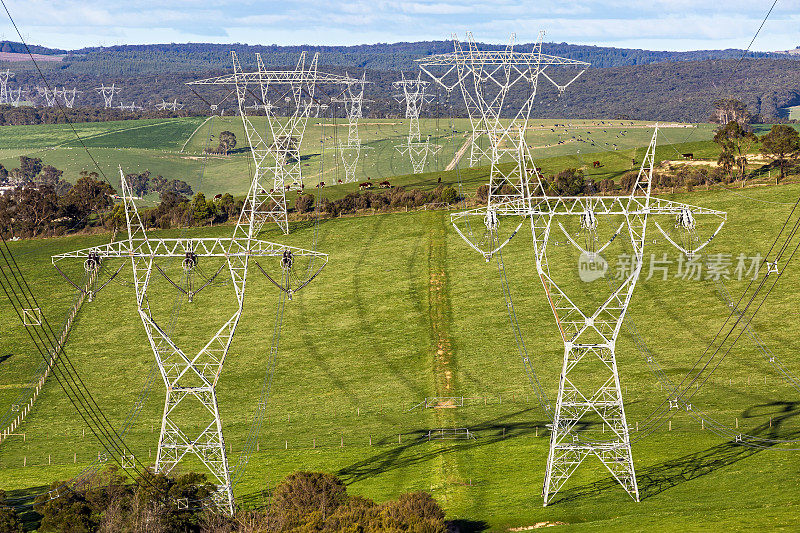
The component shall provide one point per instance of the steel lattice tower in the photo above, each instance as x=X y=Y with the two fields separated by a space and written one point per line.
x=15 y=96
x=68 y=95
x=486 y=79
x=108 y=93
x=353 y=100
x=589 y=386
x=5 y=75
x=130 y=107
x=191 y=379
x=169 y=106
x=49 y=96
x=414 y=97
x=277 y=157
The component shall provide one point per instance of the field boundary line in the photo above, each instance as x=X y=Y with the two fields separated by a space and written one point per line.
x=460 y=153
x=62 y=340
x=63 y=144
x=195 y=131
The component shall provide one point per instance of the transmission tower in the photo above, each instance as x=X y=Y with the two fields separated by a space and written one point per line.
x=15 y=96
x=589 y=417
x=277 y=156
x=107 y=92
x=353 y=100
x=68 y=95
x=486 y=78
x=414 y=97
x=5 y=75
x=130 y=107
x=169 y=106
x=191 y=379
x=48 y=95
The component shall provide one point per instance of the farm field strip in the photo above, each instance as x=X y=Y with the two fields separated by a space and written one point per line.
x=361 y=347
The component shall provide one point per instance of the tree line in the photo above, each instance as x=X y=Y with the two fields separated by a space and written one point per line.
x=156 y=503
x=29 y=115
x=641 y=90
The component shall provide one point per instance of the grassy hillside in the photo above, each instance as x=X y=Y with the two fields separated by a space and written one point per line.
x=174 y=148
x=405 y=311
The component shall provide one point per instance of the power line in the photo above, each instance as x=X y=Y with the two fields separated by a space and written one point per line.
x=60 y=107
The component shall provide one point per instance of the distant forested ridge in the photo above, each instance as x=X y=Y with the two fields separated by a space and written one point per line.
x=635 y=84
x=138 y=59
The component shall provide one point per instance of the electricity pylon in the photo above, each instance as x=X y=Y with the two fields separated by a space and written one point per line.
x=414 y=97
x=5 y=75
x=15 y=96
x=68 y=95
x=353 y=100
x=192 y=378
x=48 y=95
x=169 y=106
x=130 y=107
x=589 y=417
x=108 y=93
x=486 y=78
x=277 y=156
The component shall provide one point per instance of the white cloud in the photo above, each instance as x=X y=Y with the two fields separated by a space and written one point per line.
x=655 y=24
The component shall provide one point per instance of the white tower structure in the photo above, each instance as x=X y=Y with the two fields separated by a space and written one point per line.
x=486 y=78
x=413 y=96
x=169 y=106
x=15 y=96
x=5 y=75
x=68 y=95
x=191 y=378
x=589 y=416
x=353 y=100
x=107 y=92
x=130 y=107
x=277 y=154
x=48 y=95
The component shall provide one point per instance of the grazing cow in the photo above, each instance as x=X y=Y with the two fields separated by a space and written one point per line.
x=217 y=197
x=287 y=187
x=689 y=156
x=385 y=185
x=365 y=185
x=439 y=180
x=595 y=164
x=320 y=185
x=340 y=180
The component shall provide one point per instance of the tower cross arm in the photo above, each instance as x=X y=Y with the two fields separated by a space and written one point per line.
x=599 y=205
x=277 y=76
x=201 y=247
x=498 y=57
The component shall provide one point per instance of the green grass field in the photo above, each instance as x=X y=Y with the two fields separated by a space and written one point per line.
x=404 y=311
x=361 y=346
x=793 y=112
x=174 y=148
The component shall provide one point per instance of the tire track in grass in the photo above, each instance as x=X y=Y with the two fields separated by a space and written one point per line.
x=446 y=478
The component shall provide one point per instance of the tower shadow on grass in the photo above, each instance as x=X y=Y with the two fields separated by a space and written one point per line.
x=660 y=477
x=418 y=449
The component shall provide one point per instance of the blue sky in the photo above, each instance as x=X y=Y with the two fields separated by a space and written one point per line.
x=654 y=24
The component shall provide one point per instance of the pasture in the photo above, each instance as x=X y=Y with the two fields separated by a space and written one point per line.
x=175 y=148
x=405 y=311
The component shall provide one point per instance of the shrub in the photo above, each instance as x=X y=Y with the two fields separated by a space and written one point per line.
x=304 y=203
x=448 y=195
